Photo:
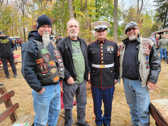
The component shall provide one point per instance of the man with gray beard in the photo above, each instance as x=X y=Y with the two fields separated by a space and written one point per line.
x=74 y=53
x=43 y=69
x=139 y=68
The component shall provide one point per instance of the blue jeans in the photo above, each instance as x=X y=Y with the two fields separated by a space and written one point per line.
x=47 y=106
x=163 y=52
x=138 y=100
x=105 y=95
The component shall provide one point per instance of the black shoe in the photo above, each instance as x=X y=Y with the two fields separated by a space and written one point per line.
x=79 y=124
x=16 y=75
x=7 y=77
x=106 y=124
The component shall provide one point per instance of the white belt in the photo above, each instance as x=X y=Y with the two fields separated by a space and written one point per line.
x=103 y=65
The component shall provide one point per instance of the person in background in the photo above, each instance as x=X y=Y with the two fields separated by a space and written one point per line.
x=104 y=72
x=6 y=54
x=53 y=38
x=152 y=38
x=14 y=43
x=139 y=69
x=157 y=41
x=43 y=69
x=163 y=43
x=20 y=42
x=58 y=38
x=74 y=53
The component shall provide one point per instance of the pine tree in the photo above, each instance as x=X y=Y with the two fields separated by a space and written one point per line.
x=162 y=12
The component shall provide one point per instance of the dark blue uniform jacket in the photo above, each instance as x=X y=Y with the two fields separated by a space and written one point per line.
x=103 y=53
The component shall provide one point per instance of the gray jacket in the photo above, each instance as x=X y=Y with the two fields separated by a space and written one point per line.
x=149 y=68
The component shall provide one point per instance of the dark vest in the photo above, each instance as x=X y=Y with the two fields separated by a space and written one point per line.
x=48 y=71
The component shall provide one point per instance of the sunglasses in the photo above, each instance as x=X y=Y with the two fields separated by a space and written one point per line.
x=101 y=29
x=133 y=28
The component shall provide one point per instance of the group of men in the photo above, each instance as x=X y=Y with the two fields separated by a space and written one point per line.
x=45 y=65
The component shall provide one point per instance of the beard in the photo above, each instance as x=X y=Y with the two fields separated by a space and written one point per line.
x=73 y=35
x=132 y=38
x=46 y=39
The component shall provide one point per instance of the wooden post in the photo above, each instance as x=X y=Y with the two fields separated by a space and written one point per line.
x=8 y=103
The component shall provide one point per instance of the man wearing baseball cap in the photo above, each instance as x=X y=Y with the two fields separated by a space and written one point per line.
x=103 y=62
x=43 y=69
x=139 y=68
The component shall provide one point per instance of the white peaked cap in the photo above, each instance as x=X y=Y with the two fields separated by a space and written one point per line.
x=100 y=24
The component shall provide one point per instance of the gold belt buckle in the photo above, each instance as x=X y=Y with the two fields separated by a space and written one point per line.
x=102 y=66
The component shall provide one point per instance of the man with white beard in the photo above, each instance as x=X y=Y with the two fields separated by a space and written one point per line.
x=139 y=68
x=43 y=69
x=74 y=53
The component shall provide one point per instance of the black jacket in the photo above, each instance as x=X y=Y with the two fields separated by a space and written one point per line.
x=29 y=56
x=65 y=48
x=154 y=63
x=6 y=46
x=103 y=53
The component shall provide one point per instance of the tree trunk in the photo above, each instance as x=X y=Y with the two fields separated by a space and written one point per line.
x=115 y=21
x=81 y=6
x=71 y=13
x=22 y=7
x=86 y=25
x=85 y=7
x=1 y=2
x=96 y=8
x=139 y=9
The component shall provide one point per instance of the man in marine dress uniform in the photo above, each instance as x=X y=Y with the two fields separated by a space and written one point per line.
x=103 y=62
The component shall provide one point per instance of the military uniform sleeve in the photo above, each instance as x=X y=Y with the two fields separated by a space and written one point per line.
x=155 y=66
x=29 y=53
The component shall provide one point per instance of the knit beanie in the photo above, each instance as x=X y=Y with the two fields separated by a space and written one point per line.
x=43 y=20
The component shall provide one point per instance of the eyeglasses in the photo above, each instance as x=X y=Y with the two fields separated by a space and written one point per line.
x=133 y=28
x=101 y=29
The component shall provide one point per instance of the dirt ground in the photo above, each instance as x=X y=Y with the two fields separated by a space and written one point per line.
x=120 y=112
